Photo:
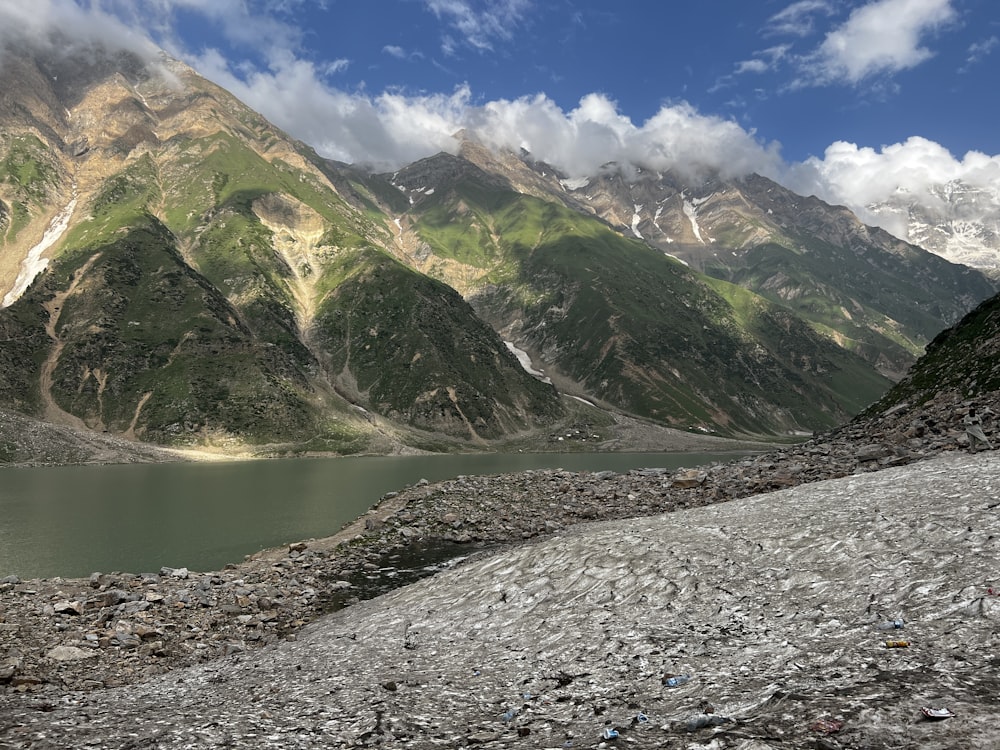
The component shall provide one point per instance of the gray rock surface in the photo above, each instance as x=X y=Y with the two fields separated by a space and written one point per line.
x=774 y=604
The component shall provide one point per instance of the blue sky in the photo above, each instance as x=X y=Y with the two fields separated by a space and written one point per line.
x=849 y=99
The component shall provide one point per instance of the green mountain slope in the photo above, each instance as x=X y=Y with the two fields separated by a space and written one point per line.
x=867 y=291
x=631 y=327
x=213 y=288
x=177 y=270
x=963 y=360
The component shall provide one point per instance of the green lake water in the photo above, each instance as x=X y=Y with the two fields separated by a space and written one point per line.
x=72 y=520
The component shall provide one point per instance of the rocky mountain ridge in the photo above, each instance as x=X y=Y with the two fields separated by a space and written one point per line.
x=206 y=286
x=861 y=286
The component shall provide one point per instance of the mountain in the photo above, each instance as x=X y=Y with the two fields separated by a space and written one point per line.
x=615 y=321
x=206 y=284
x=801 y=312
x=956 y=220
x=176 y=270
x=961 y=363
x=873 y=294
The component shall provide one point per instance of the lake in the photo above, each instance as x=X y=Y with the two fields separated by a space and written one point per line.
x=72 y=520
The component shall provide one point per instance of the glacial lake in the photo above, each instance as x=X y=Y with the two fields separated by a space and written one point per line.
x=73 y=520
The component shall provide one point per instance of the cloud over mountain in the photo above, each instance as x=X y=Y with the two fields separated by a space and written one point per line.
x=393 y=127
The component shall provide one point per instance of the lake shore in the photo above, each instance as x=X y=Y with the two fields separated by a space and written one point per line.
x=108 y=630
x=27 y=443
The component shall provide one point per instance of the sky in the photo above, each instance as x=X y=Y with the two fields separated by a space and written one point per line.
x=847 y=99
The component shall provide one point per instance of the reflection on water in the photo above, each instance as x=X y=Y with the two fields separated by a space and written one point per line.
x=73 y=520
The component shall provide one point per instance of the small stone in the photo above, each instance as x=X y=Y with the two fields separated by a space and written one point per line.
x=25 y=682
x=68 y=653
x=66 y=607
x=871 y=452
x=689 y=478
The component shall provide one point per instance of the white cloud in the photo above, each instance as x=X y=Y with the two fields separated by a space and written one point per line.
x=395 y=51
x=257 y=25
x=979 y=52
x=391 y=129
x=798 y=19
x=581 y=141
x=857 y=176
x=882 y=37
x=63 y=27
x=479 y=22
x=751 y=66
x=387 y=130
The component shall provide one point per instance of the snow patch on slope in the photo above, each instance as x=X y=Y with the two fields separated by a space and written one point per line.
x=656 y=222
x=525 y=360
x=636 y=218
x=692 y=213
x=34 y=263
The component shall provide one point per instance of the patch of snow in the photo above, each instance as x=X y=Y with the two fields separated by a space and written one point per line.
x=636 y=218
x=525 y=360
x=34 y=263
x=584 y=401
x=679 y=260
x=576 y=183
x=656 y=222
x=692 y=213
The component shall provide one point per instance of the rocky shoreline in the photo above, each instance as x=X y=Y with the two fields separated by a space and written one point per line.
x=112 y=629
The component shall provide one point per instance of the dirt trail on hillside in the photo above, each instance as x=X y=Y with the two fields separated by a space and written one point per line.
x=53 y=412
